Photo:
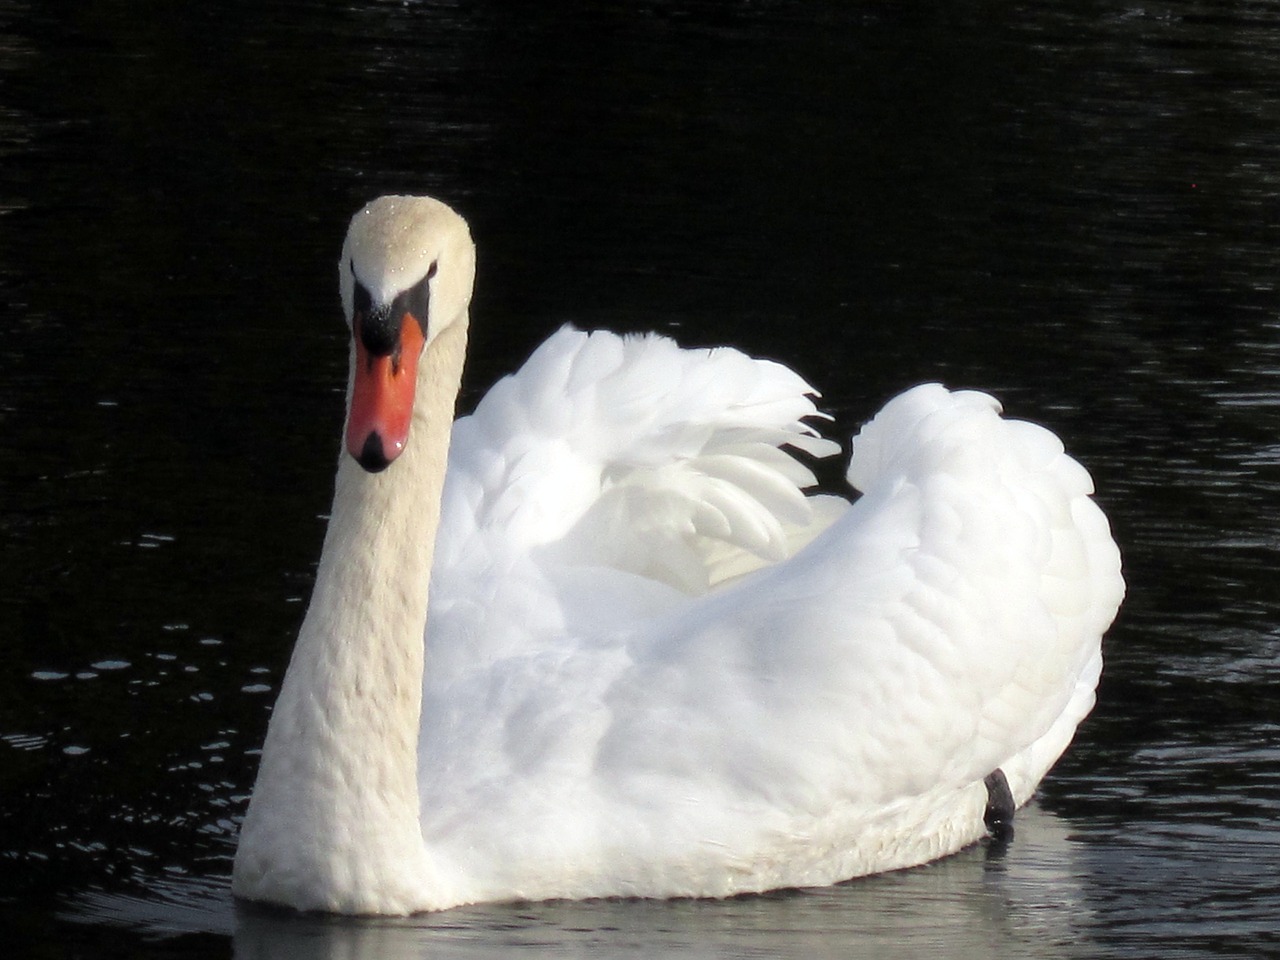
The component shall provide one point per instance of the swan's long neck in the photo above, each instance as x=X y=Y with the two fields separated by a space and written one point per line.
x=334 y=819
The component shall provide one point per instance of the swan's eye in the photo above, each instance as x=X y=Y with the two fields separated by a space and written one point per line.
x=431 y=270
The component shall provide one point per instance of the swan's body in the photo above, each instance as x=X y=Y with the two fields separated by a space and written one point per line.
x=653 y=667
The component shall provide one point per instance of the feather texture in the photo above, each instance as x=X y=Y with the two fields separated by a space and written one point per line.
x=653 y=665
x=832 y=711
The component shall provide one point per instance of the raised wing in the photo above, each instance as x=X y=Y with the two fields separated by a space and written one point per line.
x=644 y=472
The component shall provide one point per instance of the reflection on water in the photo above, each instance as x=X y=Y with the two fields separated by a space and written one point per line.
x=1028 y=897
x=1062 y=889
x=1073 y=207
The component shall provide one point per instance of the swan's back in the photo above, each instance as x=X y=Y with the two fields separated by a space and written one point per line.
x=654 y=667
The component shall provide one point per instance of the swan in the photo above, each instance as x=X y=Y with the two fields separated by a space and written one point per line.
x=653 y=666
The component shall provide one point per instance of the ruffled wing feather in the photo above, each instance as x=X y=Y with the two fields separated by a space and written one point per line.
x=603 y=698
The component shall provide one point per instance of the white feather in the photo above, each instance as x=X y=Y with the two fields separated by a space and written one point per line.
x=655 y=667
x=928 y=636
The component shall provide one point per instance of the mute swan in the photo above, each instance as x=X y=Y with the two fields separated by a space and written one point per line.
x=652 y=666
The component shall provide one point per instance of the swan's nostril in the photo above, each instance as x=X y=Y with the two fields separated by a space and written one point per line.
x=373 y=456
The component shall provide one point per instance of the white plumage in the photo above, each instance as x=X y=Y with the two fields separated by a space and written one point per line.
x=653 y=666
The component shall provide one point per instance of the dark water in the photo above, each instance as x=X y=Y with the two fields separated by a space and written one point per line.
x=1075 y=206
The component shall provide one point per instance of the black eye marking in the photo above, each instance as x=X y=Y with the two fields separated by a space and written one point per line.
x=431 y=270
x=416 y=300
x=378 y=325
x=362 y=301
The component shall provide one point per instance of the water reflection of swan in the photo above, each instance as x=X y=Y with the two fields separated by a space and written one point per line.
x=1024 y=901
x=1027 y=903
x=653 y=667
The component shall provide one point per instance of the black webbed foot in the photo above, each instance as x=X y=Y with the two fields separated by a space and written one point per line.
x=1000 y=807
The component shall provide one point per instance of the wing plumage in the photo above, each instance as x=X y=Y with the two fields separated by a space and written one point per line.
x=633 y=453
x=639 y=471
x=656 y=666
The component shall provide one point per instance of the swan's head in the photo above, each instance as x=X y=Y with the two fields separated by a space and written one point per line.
x=406 y=274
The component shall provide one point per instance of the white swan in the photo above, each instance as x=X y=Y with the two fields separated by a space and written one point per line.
x=652 y=666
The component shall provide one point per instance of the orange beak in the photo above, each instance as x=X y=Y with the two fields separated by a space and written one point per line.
x=382 y=397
